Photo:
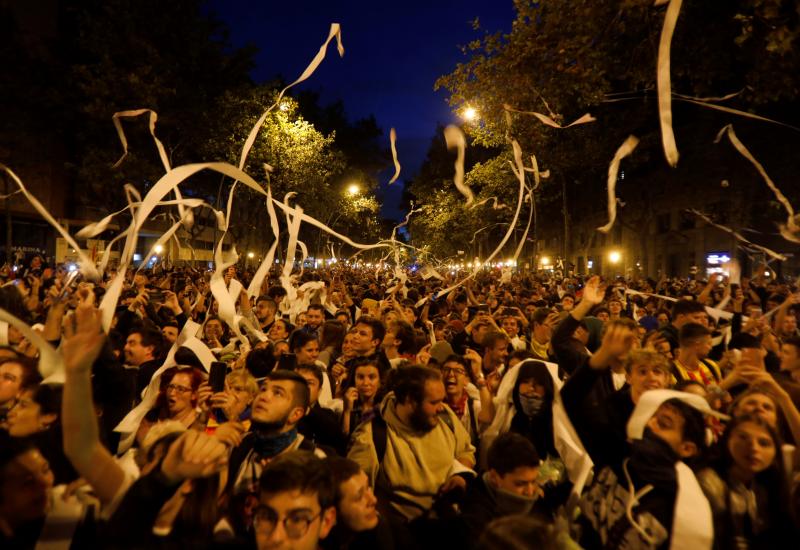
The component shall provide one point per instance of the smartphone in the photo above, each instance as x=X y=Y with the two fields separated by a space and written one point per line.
x=287 y=361
x=483 y=307
x=216 y=376
x=156 y=296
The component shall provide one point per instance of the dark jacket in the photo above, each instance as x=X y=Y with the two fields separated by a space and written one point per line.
x=599 y=413
x=322 y=427
x=570 y=352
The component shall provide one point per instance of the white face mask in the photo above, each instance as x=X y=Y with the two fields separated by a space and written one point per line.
x=531 y=405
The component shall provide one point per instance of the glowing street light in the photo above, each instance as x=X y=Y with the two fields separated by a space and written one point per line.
x=283 y=106
x=470 y=114
x=614 y=257
x=159 y=249
x=545 y=260
x=353 y=189
x=251 y=255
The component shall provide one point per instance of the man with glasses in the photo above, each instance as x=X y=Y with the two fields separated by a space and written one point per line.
x=282 y=402
x=296 y=507
x=467 y=393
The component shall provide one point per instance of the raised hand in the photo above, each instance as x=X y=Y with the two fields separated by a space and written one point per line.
x=83 y=339
x=193 y=455
x=617 y=343
x=593 y=292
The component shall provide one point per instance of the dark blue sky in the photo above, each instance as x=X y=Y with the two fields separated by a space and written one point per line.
x=394 y=52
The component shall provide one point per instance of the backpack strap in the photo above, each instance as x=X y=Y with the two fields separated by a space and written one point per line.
x=713 y=368
x=473 y=421
x=379 y=436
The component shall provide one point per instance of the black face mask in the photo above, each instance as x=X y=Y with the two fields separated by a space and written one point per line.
x=653 y=460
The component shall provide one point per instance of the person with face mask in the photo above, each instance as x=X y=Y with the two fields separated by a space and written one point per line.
x=510 y=486
x=645 y=494
x=533 y=398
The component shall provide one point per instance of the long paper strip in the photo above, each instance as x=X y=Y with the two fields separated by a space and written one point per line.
x=392 y=142
x=335 y=31
x=184 y=214
x=791 y=226
x=624 y=150
x=86 y=265
x=664 y=83
x=519 y=172
x=549 y=121
x=738 y=236
x=454 y=138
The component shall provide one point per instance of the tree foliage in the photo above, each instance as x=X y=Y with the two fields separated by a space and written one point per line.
x=564 y=58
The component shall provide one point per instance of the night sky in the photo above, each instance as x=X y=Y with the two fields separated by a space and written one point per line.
x=394 y=52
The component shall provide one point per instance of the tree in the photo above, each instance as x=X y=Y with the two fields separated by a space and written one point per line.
x=564 y=58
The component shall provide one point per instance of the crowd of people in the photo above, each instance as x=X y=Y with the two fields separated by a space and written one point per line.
x=356 y=408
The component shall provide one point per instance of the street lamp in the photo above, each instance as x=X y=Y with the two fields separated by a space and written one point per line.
x=159 y=249
x=545 y=261
x=614 y=257
x=470 y=114
x=353 y=189
x=251 y=255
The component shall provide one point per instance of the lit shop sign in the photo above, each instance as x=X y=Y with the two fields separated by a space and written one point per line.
x=718 y=258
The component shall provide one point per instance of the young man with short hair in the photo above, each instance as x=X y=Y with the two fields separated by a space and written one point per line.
x=277 y=409
x=683 y=312
x=358 y=523
x=296 y=506
x=510 y=486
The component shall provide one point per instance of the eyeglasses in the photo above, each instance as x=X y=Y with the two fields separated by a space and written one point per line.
x=454 y=370
x=296 y=525
x=177 y=388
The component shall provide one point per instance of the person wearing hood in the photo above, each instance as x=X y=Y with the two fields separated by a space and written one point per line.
x=417 y=449
x=510 y=486
x=533 y=403
x=645 y=494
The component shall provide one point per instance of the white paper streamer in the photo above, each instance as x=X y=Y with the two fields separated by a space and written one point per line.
x=454 y=138
x=392 y=141
x=335 y=31
x=624 y=150
x=664 y=83
x=737 y=235
x=86 y=265
x=791 y=227
x=184 y=214
x=549 y=121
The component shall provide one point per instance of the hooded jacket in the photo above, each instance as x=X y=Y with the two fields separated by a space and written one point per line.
x=415 y=465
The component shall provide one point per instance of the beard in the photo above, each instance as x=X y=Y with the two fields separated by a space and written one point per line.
x=269 y=427
x=420 y=422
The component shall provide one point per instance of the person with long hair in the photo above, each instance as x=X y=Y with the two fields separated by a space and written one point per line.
x=747 y=487
x=36 y=415
x=339 y=371
x=330 y=344
x=177 y=399
x=363 y=392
